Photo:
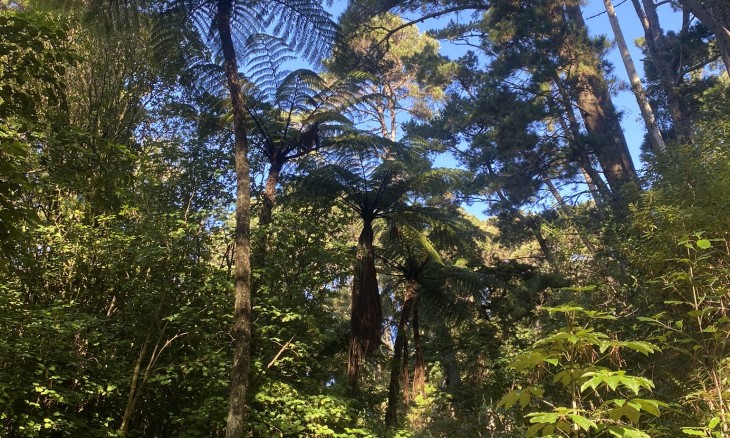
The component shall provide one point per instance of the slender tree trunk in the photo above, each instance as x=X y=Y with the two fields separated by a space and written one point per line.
x=529 y=224
x=544 y=247
x=367 y=315
x=393 y=120
x=134 y=387
x=380 y=111
x=558 y=197
x=663 y=64
x=568 y=214
x=131 y=398
x=235 y=427
x=721 y=31
x=541 y=241
x=593 y=188
x=419 y=369
x=397 y=364
x=655 y=137
x=601 y=119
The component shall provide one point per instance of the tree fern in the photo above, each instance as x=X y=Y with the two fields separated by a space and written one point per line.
x=233 y=30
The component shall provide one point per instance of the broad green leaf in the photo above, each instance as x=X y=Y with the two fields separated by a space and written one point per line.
x=693 y=431
x=592 y=383
x=713 y=423
x=524 y=399
x=650 y=406
x=509 y=399
x=582 y=422
x=631 y=411
x=533 y=430
x=543 y=417
x=704 y=243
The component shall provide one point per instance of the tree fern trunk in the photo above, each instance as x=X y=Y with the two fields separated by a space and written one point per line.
x=367 y=315
x=269 y=195
x=404 y=376
x=419 y=371
x=397 y=364
x=235 y=427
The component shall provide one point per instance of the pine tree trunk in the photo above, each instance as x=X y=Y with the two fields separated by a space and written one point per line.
x=592 y=187
x=235 y=427
x=655 y=137
x=601 y=119
x=399 y=353
x=607 y=138
x=597 y=187
x=367 y=315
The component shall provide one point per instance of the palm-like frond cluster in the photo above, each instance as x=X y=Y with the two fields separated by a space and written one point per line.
x=389 y=184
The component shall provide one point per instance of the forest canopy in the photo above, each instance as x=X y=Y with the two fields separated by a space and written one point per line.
x=237 y=219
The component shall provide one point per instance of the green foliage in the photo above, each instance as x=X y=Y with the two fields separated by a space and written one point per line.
x=34 y=56
x=568 y=371
x=289 y=412
x=693 y=323
x=115 y=230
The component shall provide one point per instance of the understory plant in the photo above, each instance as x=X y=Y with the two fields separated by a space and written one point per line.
x=575 y=384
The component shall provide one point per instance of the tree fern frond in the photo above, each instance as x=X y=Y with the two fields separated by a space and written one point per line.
x=266 y=56
x=210 y=76
x=307 y=27
x=249 y=18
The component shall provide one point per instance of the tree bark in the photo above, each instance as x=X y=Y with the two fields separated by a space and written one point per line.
x=397 y=364
x=601 y=119
x=663 y=64
x=132 y=396
x=419 y=369
x=404 y=383
x=596 y=186
x=367 y=315
x=593 y=188
x=269 y=195
x=655 y=136
x=721 y=31
x=237 y=408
